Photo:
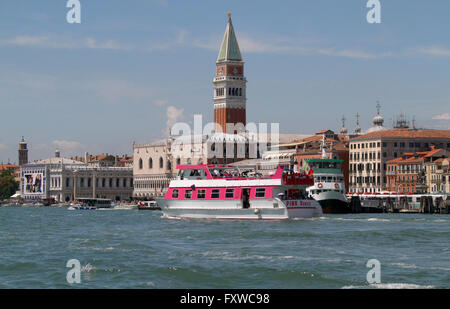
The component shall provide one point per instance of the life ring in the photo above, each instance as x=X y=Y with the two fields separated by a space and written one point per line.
x=320 y=185
x=336 y=185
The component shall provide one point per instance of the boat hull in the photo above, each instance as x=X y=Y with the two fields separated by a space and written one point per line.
x=335 y=206
x=271 y=209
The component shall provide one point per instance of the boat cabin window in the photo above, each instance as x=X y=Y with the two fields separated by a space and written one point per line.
x=188 y=194
x=215 y=193
x=201 y=193
x=260 y=192
x=175 y=193
x=229 y=193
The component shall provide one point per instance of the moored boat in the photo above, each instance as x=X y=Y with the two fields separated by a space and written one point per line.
x=90 y=204
x=226 y=192
x=329 y=185
x=148 y=205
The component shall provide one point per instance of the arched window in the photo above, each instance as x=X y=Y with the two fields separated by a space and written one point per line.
x=140 y=164
x=178 y=161
x=150 y=163
x=169 y=165
x=161 y=163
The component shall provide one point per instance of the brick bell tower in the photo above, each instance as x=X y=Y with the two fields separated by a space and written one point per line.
x=229 y=84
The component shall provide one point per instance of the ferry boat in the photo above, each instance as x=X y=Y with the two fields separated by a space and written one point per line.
x=227 y=192
x=329 y=185
x=90 y=204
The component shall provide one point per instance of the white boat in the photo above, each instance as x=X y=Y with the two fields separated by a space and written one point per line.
x=90 y=204
x=329 y=185
x=148 y=205
x=226 y=192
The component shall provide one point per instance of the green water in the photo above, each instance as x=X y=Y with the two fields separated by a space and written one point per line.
x=139 y=249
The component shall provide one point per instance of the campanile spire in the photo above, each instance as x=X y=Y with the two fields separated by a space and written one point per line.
x=229 y=84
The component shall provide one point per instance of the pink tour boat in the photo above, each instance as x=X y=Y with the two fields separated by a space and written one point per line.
x=230 y=192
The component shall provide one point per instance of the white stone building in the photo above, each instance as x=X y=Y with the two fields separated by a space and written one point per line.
x=66 y=180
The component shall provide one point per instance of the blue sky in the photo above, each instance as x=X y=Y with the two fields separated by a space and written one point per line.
x=131 y=67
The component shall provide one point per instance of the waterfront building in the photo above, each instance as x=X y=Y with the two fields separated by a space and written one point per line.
x=407 y=174
x=438 y=175
x=65 y=180
x=370 y=152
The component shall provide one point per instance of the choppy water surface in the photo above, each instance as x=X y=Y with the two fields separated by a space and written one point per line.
x=139 y=249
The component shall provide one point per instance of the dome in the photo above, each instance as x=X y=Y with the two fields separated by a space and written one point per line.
x=378 y=120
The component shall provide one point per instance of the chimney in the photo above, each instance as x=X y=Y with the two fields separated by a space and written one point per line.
x=86 y=158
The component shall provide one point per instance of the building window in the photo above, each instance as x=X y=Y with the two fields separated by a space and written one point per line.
x=150 y=163
x=140 y=164
x=161 y=163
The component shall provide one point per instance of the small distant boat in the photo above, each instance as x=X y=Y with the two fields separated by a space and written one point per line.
x=148 y=205
x=90 y=204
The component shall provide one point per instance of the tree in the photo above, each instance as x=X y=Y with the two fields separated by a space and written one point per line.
x=8 y=186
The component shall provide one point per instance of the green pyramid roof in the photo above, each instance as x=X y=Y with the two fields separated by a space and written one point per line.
x=229 y=50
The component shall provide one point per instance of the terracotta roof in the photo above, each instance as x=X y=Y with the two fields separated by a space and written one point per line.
x=323 y=131
x=410 y=157
x=441 y=160
x=406 y=133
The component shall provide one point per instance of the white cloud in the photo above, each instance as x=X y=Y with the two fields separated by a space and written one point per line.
x=285 y=46
x=247 y=43
x=64 y=43
x=434 y=51
x=173 y=116
x=67 y=145
x=444 y=116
